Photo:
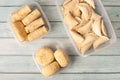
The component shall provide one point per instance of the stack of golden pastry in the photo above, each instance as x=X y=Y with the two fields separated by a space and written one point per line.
x=51 y=61
x=28 y=24
x=85 y=25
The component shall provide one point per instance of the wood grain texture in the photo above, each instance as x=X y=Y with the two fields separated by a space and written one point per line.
x=48 y=2
x=60 y=77
x=57 y=30
x=53 y=15
x=10 y=47
x=91 y=64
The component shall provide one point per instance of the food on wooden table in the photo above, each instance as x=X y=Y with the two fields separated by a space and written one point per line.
x=70 y=5
x=51 y=69
x=100 y=41
x=31 y=17
x=96 y=27
x=66 y=1
x=70 y=20
x=61 y=58
x=44 y=56
x=89 y=40
x=85 y=48
x=51 y=61
x=86 y=28
x=19 y=30
x=21 y=13
x=37 y=33
x=85 y=10
x=34 y=25
x=76 y=36
x=85 y=25
x=28 y=24
x=76 y=12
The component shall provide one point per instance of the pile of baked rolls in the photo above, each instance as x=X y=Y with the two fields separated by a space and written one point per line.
x=28 y=24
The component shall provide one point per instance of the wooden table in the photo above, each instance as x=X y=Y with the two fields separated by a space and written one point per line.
x=16 y=62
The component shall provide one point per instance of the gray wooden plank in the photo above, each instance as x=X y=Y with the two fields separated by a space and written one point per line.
x=22 y=2
x=111 y=3
x=11 y=47
x=60 y=77
x=92 y=64
x=53 y=15
x=57 y=30
x=110 y=0
x=47 y=2
x=116 y=25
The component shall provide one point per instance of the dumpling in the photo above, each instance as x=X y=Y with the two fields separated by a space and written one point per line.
x=86 y=11
x=87 y=43
x=86 y=28
x=77 y=37
x=85 y=48
x=91 y=37
x=100 y=41
x=70 y=21
x=96 y=27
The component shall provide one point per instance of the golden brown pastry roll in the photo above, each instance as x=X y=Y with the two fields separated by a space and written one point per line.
x=19 y=30
x=31 y=17
x=37 y=33
x=50 y=69
x=21 y=13
x=44 y=56
x=34 y=25
x=61 y=58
